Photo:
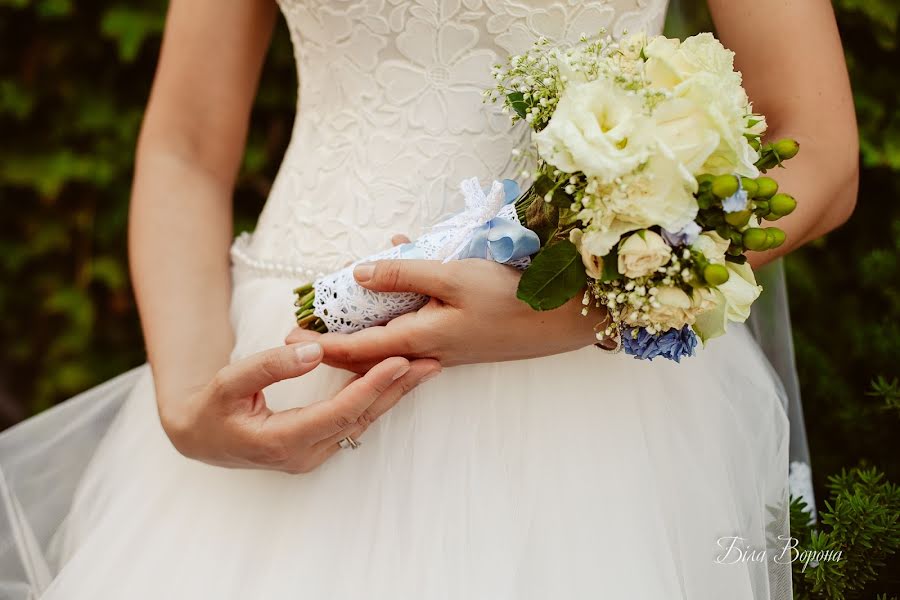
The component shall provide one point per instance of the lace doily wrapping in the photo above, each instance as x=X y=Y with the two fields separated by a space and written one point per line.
x=345 y=306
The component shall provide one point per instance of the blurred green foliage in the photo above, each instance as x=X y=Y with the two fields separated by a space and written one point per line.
x=74 y=78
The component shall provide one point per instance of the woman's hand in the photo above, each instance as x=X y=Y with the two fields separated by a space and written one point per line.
x=473 y=316
x=227 y=422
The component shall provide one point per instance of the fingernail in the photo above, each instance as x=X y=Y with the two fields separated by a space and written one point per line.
x=400 y=372
x=364 y=272
x=308 y=353
x=430 y=376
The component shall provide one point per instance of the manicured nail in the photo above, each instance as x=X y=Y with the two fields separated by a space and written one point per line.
x=400 y=372
x=308 y=353
x=364 y=272
x=430 y=376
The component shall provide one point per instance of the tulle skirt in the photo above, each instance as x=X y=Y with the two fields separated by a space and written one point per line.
x=578 y=475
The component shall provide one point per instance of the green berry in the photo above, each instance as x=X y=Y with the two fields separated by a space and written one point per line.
x=782 y=204
x=755 y=239
x=738 y=219
x=749 y=186
x=765 y=187
x=786 y=148
x=724 y=185
x=715 y=274
x=777 y=236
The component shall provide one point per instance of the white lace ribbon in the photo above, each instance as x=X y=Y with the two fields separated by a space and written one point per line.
x=345 y=306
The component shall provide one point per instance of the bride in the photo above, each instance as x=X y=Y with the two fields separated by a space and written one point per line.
x=532 y=465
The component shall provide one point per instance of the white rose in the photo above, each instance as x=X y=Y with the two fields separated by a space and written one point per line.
x=597 y=129
x=670 y=62
x=711 y=322
x=673 y=309
x=642 y=253
x=593 y=264
x=729 y=301
x=713 y=107
x=708 y=102
x=684 y=132
x=712 y=246
x=659 y=194
x=740 y=291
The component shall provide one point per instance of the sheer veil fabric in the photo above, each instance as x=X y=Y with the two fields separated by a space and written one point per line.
x=578 y=474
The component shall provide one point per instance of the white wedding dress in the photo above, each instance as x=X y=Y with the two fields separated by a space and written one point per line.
x=581 y=475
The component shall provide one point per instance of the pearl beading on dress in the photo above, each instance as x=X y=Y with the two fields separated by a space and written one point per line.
x=241 y=257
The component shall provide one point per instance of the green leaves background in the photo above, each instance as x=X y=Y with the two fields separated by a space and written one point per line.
x=74 y=78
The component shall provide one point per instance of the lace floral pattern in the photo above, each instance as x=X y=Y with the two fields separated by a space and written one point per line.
x=390 y=116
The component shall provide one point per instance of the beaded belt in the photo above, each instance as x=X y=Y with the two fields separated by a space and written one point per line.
x=241 y=257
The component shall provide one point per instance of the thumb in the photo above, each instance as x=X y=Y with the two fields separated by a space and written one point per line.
x=249 y=375
x=428 y=277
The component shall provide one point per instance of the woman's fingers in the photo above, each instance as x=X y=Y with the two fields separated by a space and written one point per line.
x=298 y=335
x=428 y=277
x=249 y=375
x=399 y=239
x=325 y=418
x=359 y=351
x=419 y=372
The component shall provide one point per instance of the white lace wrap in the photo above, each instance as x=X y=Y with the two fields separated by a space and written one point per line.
x=345 y=306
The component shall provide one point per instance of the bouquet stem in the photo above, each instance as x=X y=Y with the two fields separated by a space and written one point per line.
x=306 y=317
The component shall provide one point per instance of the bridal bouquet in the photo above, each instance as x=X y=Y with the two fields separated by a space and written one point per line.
x=646 y=196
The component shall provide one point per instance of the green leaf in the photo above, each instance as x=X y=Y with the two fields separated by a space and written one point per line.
x=517 y=102
x=611 y=265
x=542 y=218
x=555 y=276
x=544 y=185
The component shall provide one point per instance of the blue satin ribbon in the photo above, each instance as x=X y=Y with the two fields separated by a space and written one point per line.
x=502 y=240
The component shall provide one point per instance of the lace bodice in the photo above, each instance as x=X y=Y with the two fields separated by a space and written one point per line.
x=391 y=118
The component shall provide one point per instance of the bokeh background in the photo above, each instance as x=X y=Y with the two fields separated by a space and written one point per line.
x=74 y=78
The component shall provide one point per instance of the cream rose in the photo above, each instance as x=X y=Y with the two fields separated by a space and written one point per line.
x=593 y=264
x=670 y=62
x=713 y=106
x=740 y=291
x=673 y=308
x=642 y=253
x=712 y=246
x=729 y=301
x=684 y=133
x=704 y=121
x=597 y=129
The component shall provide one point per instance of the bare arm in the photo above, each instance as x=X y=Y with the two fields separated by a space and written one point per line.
x=188 y=155
x=794 y=72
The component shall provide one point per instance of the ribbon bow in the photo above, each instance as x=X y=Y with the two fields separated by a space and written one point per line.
x=488 y=227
